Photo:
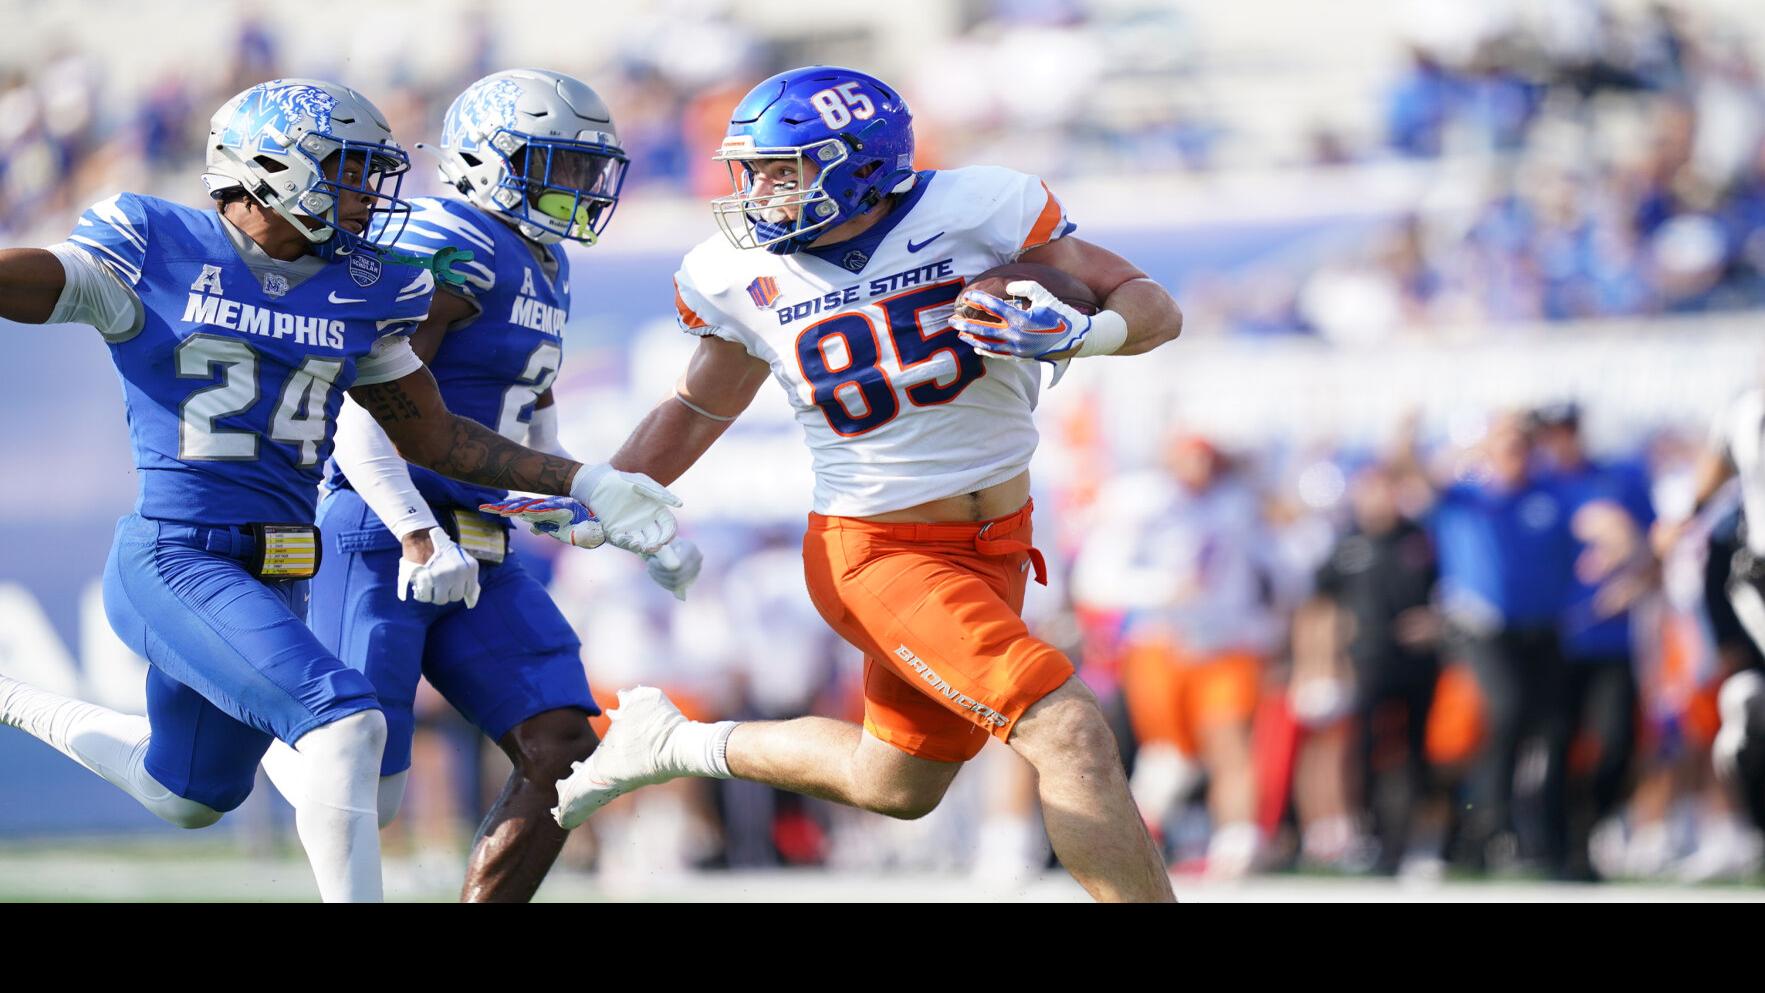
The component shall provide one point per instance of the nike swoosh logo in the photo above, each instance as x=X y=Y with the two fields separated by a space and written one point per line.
x=334 y=298
x=911 y=247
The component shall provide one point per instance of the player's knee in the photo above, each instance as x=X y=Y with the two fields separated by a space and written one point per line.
x=1068 y=733
x=905 y=801
x=546 y=746
x=182 y=813
x=907 y=807
x=360 y=734
x=391 y=796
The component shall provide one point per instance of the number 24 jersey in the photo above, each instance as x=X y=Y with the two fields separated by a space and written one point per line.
x=234 y=374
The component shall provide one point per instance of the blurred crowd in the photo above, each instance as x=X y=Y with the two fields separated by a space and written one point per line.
x=1605 y=165
x=71 y=132
x=1612 y=166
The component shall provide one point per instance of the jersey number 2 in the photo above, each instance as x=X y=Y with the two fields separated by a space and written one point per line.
x=841 y=359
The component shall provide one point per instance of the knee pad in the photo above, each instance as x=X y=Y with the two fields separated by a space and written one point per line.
x=187 y=814
x=391 y=796
x=168 y=806
x=358 y=734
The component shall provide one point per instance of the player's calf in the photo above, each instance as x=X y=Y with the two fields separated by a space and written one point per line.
x=1090 y=817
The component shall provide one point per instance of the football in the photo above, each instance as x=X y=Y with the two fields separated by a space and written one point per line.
x=1070 y=289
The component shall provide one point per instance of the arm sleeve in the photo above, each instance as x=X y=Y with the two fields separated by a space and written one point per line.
x=95 y=295
x=391 y=358
x=374 y=468
x=542 y=433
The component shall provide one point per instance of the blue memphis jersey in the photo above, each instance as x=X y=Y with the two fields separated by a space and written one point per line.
x=495 y=366
x=233 y=382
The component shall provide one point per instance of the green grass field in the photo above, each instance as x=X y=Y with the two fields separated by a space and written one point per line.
x=217 y=871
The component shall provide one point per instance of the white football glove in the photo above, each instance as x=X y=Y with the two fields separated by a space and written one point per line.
x=675 y=566
x=632 y=507
x=449 y=574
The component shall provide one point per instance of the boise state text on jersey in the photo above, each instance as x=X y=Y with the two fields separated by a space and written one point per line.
x=230 y=366
x=493 y=368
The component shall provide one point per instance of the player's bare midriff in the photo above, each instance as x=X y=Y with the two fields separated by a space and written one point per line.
x=982 y=505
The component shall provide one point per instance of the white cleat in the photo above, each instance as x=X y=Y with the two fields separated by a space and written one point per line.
x=634 y=753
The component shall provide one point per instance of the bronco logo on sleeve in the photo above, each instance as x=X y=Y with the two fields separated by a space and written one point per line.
x=763 y=291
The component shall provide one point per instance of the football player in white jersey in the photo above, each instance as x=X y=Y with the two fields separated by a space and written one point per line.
x=920 y=425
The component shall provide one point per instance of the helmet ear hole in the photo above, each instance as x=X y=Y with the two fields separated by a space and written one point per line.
x=268 y=164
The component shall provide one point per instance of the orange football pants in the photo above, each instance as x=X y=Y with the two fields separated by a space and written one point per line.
x=935 y=610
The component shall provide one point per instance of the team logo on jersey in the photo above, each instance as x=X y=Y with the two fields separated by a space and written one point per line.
x=855 y=260
x=764 y=291
x=275 y=284
x=364 y=269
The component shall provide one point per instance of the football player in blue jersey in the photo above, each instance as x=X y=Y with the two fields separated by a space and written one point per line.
x=537 y=162
x=234 y=332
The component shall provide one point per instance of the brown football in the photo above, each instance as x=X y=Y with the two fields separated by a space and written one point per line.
x=1068 y=288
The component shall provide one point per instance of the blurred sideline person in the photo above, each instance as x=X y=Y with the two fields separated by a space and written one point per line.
x=1736 y=451
x=1610 y=513
x=1506 y=556
x=1375 y=600
x=1179 y=552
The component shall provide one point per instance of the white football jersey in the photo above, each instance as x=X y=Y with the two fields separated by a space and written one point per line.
x=897 y=410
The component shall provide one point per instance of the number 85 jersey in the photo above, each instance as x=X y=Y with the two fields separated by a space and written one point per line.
x=897 y=410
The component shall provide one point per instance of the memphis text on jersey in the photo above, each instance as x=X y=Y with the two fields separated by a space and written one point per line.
x=533 y=314
x=207 y=306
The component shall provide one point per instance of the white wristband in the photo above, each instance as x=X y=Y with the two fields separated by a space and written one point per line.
x=1109 y=331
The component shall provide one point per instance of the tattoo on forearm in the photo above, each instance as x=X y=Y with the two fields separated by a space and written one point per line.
x=477 y=454
x=388 y=402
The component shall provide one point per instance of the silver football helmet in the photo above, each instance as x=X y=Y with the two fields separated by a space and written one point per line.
x=289 y=144
x=538 y=147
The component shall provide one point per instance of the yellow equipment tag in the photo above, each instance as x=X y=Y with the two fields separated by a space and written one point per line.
x=287 y=551
x=481 y=536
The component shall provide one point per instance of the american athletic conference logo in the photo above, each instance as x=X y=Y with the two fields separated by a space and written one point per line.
x=364 y=269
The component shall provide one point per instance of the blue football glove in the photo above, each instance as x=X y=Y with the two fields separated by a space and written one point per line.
x=561 y=518
x=1045 y=326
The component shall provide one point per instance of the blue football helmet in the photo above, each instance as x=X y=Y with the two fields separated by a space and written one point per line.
x=287 y=143
x=854 y=129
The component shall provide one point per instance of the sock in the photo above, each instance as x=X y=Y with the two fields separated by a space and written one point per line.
x=337 y=817
x=698 y=749
x=110 y=744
